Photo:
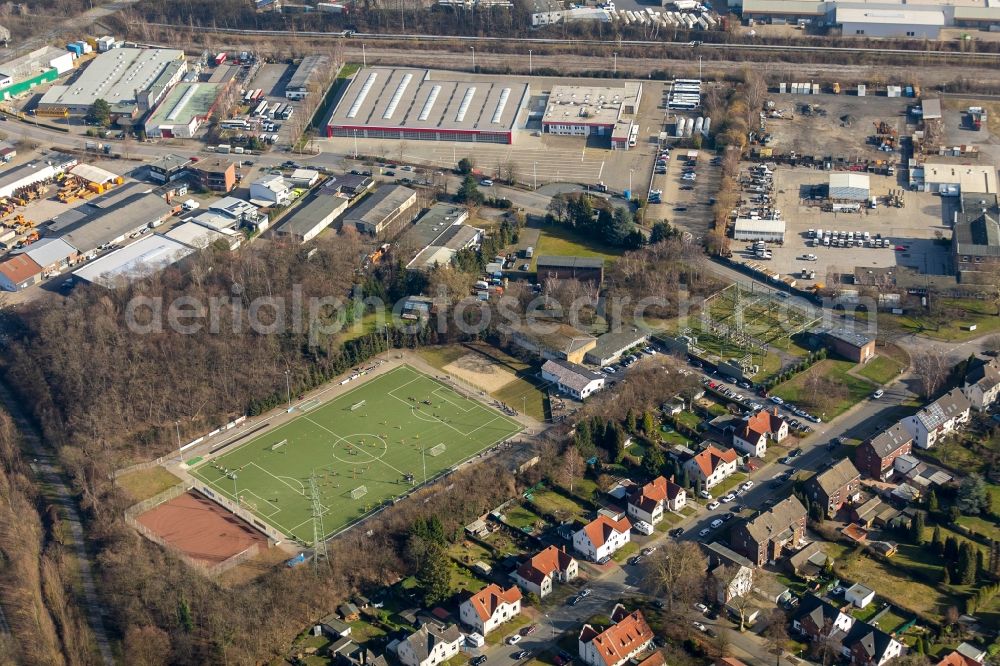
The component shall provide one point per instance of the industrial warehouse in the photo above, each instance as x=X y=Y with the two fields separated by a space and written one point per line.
x=885 y=19
x=599 y=110
x=423 y=104
x=183 y=110
x=118 y=76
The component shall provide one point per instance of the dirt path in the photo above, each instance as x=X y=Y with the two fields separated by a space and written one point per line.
x=56 y=492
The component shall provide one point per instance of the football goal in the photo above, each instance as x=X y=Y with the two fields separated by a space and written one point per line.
x=278 y=445
x=358 y=405
x=437 y=450
x=359 y=492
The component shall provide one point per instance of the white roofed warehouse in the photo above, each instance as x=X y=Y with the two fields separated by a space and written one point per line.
x=586 y=110
x=849 y=187
x=183 y=110
x=924 y=23
x=423 y=104
x=119 y=77
x=772 y=231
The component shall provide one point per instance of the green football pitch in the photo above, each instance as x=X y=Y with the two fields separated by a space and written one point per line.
x=373 y=443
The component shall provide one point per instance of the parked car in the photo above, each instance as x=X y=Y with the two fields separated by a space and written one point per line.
x=699 y=626
x=729 y=498
x=701 y=608
x=477 y=661
x=795 y=453
x=704 y=494
x=585 y=592
x=520 y=654
x=747 y=485
x=712 y=506
x=704 y=533
x=573 y=601
x=878 y=394
x=776 y=400
x=676 y=532
x=530 y=629
x=717 y=523
x=514 y=639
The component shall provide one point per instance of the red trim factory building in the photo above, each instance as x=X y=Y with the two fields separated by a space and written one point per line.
x=429 y=105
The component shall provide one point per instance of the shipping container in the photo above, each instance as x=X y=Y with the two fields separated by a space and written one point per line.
x=219 y=58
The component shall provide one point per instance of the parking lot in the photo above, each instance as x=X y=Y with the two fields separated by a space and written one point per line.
x=686 y=203
x=915 y=228
x=272 y=78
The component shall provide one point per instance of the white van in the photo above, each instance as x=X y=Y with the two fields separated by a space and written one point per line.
x=642 y=527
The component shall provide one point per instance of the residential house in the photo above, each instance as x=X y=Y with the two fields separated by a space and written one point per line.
x=956 y=658
x=731 y=573
x=270 y=190
x=938 y=419
x=712 y=465
x=572 y=379
x=752 y=434
x=729 y=661
x=834 y=487
x=601 y=537
x=345 y=652
x=866 y=513
x=982 y=383
x=217 y=174
x=875 y=457
x=429 y=645
x=869 y=646
x=490 y=607
x=537 y=575
x=817 y=618
x=808 y=563
x=614 y=646
x=647 y=503
x=767 y=535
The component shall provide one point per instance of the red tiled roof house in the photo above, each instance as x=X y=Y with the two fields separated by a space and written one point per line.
x=626 y=638
x=537 y=575
x=490 y=607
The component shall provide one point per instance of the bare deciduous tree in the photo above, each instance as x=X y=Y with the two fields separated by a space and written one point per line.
x=676 y=573
x=931 y=368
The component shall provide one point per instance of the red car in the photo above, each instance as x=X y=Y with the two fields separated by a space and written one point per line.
x=712 y=385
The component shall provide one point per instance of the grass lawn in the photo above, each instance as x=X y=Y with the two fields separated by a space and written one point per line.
x=728 y=484
x=469 y=552
x=881 y=369
x=561 y=507
x=560 y=241
x=625 y=552
x=890 y=620
x=365 y=325
x=956 y=314
x=674 y=438
x=520 y=517
x=951 y=454
x=356 y=461
x=464 y=580
x=981 y=526
x=689 y=419
x=827 y=406
x=496 y=636
x=147 y=482
x=442 y=355
x=896 y=586
x=504 y=544
x=362 y=631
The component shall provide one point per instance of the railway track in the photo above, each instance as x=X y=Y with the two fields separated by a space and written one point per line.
x=696 y=47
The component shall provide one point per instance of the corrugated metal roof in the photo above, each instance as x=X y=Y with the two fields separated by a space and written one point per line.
x=889 y=16
x=789 y=7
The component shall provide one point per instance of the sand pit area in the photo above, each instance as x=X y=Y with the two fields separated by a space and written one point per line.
x=480 y=371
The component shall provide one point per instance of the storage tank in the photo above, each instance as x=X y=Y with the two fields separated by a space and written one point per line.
x=679 y=127
x=689 y=127
x=702 y=23
x=706 y=128
x=699 y=124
